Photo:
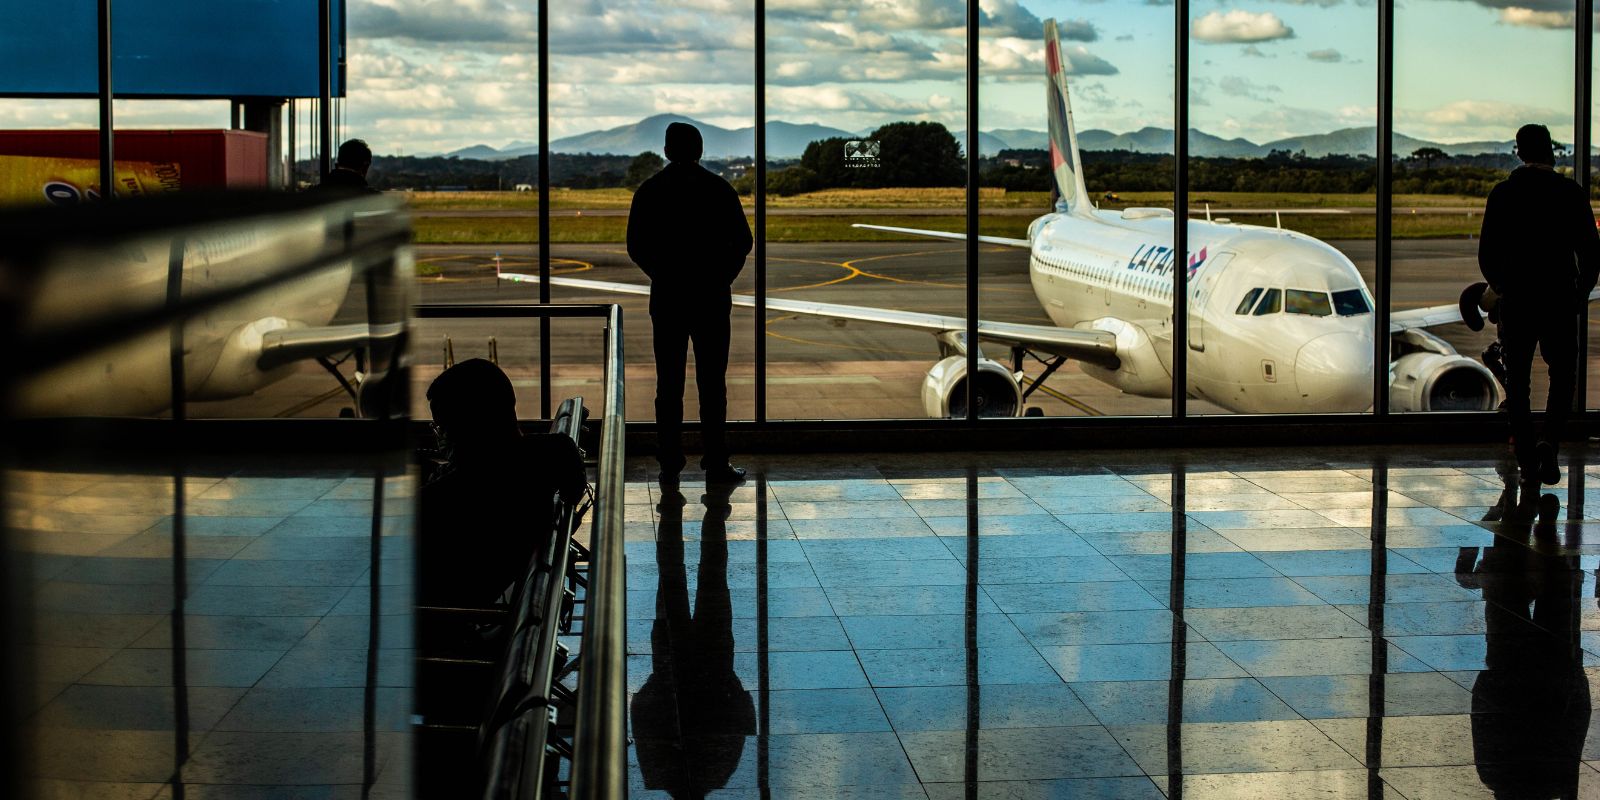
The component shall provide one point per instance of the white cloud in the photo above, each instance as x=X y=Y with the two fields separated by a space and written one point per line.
x=1240 y=26
x=1531 y=18
x=1238 y=86
x=1328 y=56
x=1479 y=119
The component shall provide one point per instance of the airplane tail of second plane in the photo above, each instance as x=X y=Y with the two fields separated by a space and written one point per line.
x=1065 y=163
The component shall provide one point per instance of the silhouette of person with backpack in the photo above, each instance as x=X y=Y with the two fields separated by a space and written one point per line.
x=1540 y=254
x=687 y=231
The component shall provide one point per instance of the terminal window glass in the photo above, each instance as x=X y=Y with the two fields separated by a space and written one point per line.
x=1301 y=301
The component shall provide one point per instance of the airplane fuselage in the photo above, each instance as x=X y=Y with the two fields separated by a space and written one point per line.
x=133 y=376
x=1278 y=321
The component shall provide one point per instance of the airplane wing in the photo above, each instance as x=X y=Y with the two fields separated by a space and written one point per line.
x=288 y=345
x=1438 y=315
x=959 y=237
x=1093 y=346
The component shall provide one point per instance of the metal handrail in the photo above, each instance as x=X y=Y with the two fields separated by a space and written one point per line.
x=599 y=763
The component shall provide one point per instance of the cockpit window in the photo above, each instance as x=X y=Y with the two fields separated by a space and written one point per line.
x=1302 y=301
x=1271 y=303
x=1351 y=302
x=1248 y=302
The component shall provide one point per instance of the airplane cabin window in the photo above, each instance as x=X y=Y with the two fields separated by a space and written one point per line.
x=1271 y=303
x=1248 y=302
x=1351 y=302
x=1302 y=301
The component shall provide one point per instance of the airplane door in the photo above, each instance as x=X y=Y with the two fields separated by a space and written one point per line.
x=1200 y=289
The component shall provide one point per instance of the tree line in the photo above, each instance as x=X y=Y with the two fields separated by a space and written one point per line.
x=925 y=154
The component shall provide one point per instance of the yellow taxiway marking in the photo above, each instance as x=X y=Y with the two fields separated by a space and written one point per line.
x=835 y=345
x=295 y=409
x=853 y=272
x=1071 y=401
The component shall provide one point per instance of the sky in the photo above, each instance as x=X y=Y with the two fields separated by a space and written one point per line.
x=430 y=76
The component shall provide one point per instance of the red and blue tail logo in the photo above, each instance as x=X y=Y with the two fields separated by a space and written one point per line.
x=1064 y=161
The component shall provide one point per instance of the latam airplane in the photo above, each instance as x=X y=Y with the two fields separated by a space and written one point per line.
x=1279 y=322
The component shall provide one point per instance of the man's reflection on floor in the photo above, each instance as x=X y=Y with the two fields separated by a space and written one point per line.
x=1530 y=706
x=692 y=715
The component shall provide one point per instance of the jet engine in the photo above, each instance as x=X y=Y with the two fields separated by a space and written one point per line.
x=944 y=390
x=1427 y=381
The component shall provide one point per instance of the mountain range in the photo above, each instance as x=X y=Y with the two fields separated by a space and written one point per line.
x=787 y=140
x=784 y=140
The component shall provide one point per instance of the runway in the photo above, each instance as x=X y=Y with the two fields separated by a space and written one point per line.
x=816 y=369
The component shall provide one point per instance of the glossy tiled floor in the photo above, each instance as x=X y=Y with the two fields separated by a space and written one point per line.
x=239 y=654
x=1337 y=624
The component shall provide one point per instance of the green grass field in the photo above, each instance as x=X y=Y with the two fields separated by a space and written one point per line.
x=491 y=230
x=837 y=228
x=561 y=198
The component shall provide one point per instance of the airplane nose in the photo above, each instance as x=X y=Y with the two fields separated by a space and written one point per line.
x=1334 y=373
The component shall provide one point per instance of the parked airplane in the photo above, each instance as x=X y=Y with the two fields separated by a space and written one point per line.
x=228 y=351
x=1279 y=322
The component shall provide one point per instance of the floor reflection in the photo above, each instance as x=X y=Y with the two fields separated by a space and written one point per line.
x=214 y=631
x=1531 y=704
x=1332 y=623
x=691 y=716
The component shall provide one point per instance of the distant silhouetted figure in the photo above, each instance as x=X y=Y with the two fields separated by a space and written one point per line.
x=687 y=231
x=692 y=715
x=1540 y=254
x=492 y=503
x=349 y=173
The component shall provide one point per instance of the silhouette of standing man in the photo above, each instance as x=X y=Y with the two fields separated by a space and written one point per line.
x=1539 y=252
x=687 y=231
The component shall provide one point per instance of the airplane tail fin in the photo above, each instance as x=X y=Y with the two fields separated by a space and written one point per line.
x=1065 y=163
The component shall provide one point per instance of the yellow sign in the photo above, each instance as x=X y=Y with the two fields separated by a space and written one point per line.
x=68 y=181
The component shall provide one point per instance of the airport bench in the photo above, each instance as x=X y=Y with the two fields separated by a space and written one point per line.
x=489 y=680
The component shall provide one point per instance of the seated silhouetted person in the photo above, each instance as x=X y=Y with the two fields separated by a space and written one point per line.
x=492 y=504
x=349 y=173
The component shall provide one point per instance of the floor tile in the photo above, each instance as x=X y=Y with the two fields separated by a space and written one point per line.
x=1064 y=789
x=1204 y=700
x=857 y=601
x=950 y=667
x=1273 y=622
x=930 y=631
x=1018 y=754
x=1049 y=597
x=1265 y=659
x=825 y=711
x=950 y=708
x=1226 y=747
x=1139 y=662
x=1404 y=694
x=1095 y=627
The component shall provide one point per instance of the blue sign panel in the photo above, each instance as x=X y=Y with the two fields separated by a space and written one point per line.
x=167 y=48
